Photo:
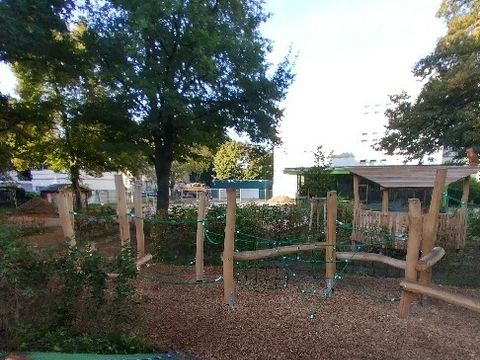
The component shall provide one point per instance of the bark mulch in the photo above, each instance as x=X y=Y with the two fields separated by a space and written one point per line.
x=356 y=323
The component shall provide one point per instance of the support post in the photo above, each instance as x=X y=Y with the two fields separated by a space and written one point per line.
x=384 y=206
x=122 y=210
x=430 y=223
x=330 y=256
x=199 y=260
x=462 y=214
x=228 y=248
x=413 y=247
x=139 y=220
x=64 y=211
x=356 y=205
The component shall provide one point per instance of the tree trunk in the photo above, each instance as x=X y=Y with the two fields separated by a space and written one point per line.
x=75 y=178
x=163 y=164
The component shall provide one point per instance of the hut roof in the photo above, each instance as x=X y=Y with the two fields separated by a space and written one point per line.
x=410 y=176
x=53 y=188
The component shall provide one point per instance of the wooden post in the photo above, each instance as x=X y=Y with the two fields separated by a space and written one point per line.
x=430 y=223
x=199 y=262
x=356 y=205
x=384 y=207
x=462 y=214
x=139 y=220
x=64 y=211
x=312 y=210
x=330 y=257
x=122 y=210
x=228 y=248
x=413 y=247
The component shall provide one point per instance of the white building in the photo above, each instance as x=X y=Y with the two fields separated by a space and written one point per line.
x=369 y=129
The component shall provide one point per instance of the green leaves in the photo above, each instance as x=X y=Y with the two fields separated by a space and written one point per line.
x=236 y=160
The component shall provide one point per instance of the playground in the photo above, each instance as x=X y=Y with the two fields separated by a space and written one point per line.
x=318 y=295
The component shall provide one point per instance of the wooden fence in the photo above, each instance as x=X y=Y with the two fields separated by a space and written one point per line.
x=392 y=228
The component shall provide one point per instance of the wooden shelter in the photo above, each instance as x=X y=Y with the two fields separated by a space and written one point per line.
x=50 y=193
x=418 y=181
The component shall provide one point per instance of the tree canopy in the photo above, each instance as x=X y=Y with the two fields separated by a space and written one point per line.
x=237 y=160
x=446 y=113
x=166 y=76
x=188 y=71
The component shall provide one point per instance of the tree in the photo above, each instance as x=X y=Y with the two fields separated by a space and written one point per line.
x=318 y=179
x=446 y=112
x=188 y=71
x=236 y=160
x=64 y=119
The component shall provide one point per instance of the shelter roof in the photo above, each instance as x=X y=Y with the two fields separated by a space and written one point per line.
x=410 y=176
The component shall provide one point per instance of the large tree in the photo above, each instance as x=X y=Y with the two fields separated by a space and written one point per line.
x=237 y=160
x=190 y=70
x=447 y=110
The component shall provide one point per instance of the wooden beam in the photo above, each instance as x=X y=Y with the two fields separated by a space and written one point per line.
x=413 y=247
x=436 y=293
x=430 y=223
x=330 y=257
x=228 y=249
x=122 y=210
x=139 y=220
x=278 y=251
x=427 y=261
x=463 y=223
x=364 y=256
x=65 y=217
x=356 y=205
x=385 y=201
x=200 y=238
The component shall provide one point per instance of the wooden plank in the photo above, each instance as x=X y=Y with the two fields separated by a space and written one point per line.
x=200 y=238
x=365 y=256
x=330 y=257
x=427 y=261
x=228 y=249
x=413 y=248
x=122 y=210
x=139 y=234
x=436 y=292
x=462 y=229
x=356 y=207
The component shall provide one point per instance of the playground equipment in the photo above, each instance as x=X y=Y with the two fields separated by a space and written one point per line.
x=422 y=232
x=385 y=183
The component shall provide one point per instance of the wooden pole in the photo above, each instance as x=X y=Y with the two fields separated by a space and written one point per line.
x=66 y=217
x=413 y=247
x=462 y=214
x=199 y=260
x=356 y=205
x=139 y=234
x=440 y=294
x=385 y=207
x=122 y=210
x=228 y=248
x=430 y=223
x=330 y=257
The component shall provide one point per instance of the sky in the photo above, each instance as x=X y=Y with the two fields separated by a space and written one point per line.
x=350 y=53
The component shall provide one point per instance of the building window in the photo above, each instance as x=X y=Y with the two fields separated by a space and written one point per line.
x=363 y=162
x=373 y=162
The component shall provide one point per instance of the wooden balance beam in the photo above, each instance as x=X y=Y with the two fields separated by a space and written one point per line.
x=436 y=293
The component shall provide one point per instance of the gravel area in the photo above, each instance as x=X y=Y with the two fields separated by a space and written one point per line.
x=275 y=323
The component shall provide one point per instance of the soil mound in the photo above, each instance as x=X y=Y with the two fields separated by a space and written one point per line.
x=36 y=206
x=281 y=200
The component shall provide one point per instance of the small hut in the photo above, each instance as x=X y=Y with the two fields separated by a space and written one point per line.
x=381 y=195
x=51 y=192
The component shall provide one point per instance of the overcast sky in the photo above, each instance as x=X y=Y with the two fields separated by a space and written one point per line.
x=350 y=53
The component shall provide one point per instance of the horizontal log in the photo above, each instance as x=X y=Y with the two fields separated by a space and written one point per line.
x=278 y=251
x=436 y=293
x=427 y=261
x=364 y=256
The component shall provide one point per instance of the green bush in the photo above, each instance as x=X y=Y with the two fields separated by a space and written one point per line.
x=69 y=290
